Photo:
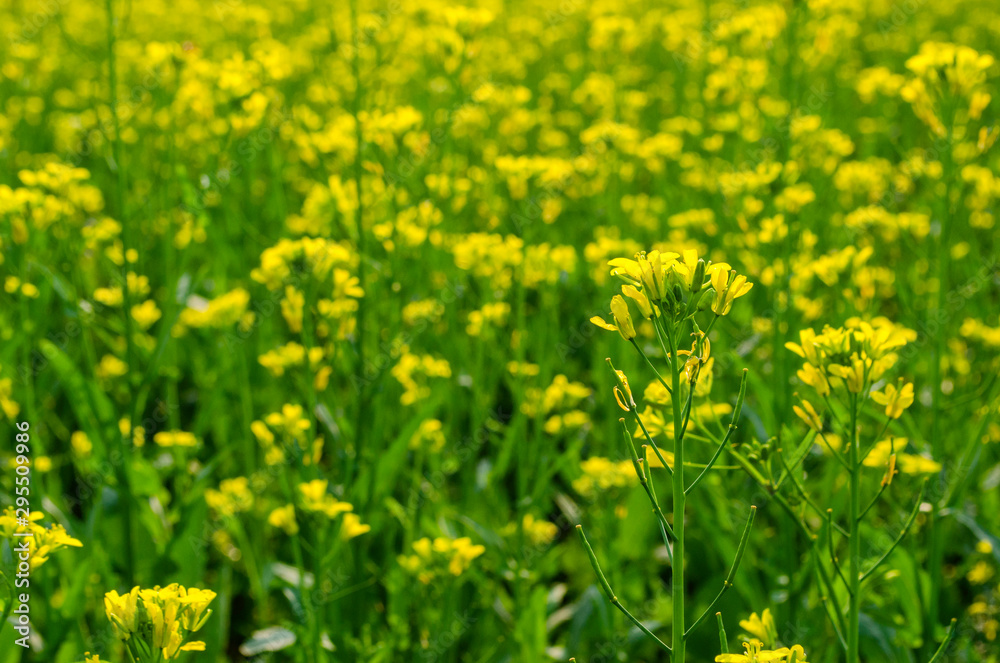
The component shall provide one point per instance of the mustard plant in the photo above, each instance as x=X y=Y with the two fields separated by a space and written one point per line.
x=673 y=293
x=848 y=369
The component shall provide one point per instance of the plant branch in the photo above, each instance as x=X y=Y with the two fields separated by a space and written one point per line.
x=906 y=528
x=728 y=582
x=729 y=432
x=610 y=593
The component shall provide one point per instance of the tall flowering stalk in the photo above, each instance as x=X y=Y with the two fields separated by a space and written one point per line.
x=948 y=94
x=673 y=292
x=848 y=370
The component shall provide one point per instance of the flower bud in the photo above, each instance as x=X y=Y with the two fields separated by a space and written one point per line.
x=699 y=277
x=623 y=319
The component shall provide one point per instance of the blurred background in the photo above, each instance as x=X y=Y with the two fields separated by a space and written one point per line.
x=297 y=296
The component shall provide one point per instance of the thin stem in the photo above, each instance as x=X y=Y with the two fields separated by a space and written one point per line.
x=651 y=366
x=307 y=340
x=854 y=541
x=906 y=528
x=937 y=320
x=885 y=483
x=652 y=491
x=798 y=461
x=874 y=444
x=729 y=432
x=834 y=452
x=728 y=582
x=304 y=593
x=610 y=593
x=831 y=598
x=677 y=480
x=645 y=481
x=947 y=639
x=658 y=327
x=748 y=467
x=833 y=555
x=805 y=496
x=864 y=512
x=820 y=569
x=652 y=443
x=833 y=413
x=687 y=409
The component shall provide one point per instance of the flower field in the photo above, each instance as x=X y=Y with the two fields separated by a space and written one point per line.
x=500 y=331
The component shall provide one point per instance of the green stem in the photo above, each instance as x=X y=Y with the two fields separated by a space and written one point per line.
x=906 y=528
x=837 y=618
x=677 y=480
x=943 y=256
x=854 y=577
x=257 y=591
x=646 y=485
x=611 y=594
x=834 y=560
x=728 y=582
x=651 y=366
x=652 y=443
x=944 y=644
x=729 y=432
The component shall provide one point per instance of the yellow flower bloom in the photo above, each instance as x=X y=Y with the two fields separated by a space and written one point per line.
x=623 y=320
x=315 y=498
x=222 y=311
x=761 y=627
x=146 y=314
x=81 y=443
x=121 y=611
x=353 y=527
x=284 y=518
x=895 y=399
x=853 y=374
x=755 y=653
x=812 y=376
x=44 y=540
x=111 y=367
x=728 y=286
x=234 y=496
x=640 y=300
x=807 y=413
x=879 y=456
x=175 y=438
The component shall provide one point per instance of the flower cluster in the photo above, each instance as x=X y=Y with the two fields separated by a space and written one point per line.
x=602 y=476
x=159 y=621
x=233 y=496
x=43 y=540
x=432 y=559
x=850 y=360
x=670 y=284
x=414 y=371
